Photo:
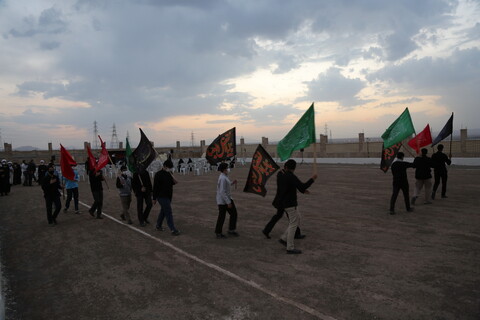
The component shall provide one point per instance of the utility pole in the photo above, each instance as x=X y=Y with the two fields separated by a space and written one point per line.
x=114 y=141
x=95 y=135
x=193 y=139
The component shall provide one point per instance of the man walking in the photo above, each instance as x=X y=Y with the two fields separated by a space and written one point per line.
x=225 y=203
x=286 y=199
x=400 y=182
x=440 y=171
x=72 y=191
x=51 y=192
x=162 y=192
x=142 y=187
x=96 y=178
x=124 y=186
x=423 y=176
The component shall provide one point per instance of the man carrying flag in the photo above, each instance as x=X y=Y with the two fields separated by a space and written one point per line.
x=440 y=159
x=96 y=177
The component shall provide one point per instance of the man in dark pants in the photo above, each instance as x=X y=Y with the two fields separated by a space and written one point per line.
x=31 y=172
x=96 y=178
x=163 y=192
x=400 y=182
x=439 y=160
x=142 y=187
x=51 y=192
x=225 y=203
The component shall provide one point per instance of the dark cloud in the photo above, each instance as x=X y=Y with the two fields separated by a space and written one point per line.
x=50 y=21
x=333 y=86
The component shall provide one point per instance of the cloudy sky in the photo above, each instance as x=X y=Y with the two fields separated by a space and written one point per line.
x=174 y=67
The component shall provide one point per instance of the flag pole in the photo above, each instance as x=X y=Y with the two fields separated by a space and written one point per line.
x=451 y=138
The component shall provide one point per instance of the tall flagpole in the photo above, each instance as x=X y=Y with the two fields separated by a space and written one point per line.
x=451 y=138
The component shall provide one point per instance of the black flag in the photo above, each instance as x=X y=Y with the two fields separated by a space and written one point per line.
x=388 y=155
x=222 y=148
x=262 y=168
x=446 y=131
x=144 y=154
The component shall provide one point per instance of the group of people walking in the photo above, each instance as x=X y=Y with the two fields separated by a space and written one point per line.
x=423 y=177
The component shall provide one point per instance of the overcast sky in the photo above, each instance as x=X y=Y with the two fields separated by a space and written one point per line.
x=175 y=67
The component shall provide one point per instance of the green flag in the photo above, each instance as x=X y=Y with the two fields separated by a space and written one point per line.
x=300 y=136
x=128 y=157
x=400 y=129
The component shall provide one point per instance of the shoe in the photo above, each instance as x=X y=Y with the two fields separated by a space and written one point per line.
x=77 y=212
x=221 y=236
x=159 y=228
x=302 y=236
x=130 y=222
x=410 y=210
x=122 y=216
x=54 y=221
x=294 y=251
x=142 y=224
x=99 y=217
x=147 y=222
x=233 y=233
x=51 y=224
x=427 y=202
x=265 y=233
x=433 y=195
x=392 y=212
x=413 y=200
x=175 y=233
x=283 y=242
x=91 y=213
x=65 y=210
x=444 y=197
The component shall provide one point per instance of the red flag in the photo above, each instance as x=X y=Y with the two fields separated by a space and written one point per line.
x=66 y=163
x=422 y=139
x=104 y=158
x=262 y=168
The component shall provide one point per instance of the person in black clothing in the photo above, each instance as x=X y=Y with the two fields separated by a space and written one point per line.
x=96 y=178
x=142 y=187
x=162 y=192
x=31 y=172
x=42 y=170
x=280 y=211
x=180 y=162
x=440 y=170
x=51 y=192
x=423 y=176
x=286 y=199
x=17 y=173
x=4 y=178
x=400 y=182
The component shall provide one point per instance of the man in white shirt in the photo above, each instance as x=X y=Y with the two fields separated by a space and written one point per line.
x=225 y=203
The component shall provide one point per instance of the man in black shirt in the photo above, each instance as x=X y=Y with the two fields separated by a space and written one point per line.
x=162 y=192
x=142 y=187
x=439 y=160
x=286 y=199
x=51 y=192
x=96 y=178
x=423 y=176
x=400 y=182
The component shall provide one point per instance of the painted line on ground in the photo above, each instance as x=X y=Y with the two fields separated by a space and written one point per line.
x=230 y=274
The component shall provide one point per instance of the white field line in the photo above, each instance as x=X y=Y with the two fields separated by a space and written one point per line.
x=232 y=275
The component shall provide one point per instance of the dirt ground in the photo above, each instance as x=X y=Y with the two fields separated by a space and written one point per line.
x=358 y=261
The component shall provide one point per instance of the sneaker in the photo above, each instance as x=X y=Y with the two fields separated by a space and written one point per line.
x=283 y=242
x=122 y=216
x=221 y=236
x=302 y=236
x=444 y=197
x=233 y=233
x=77 y=211
x=159 y=228
x=413 y=200
x=265 y=233
x=392 y=212
x=65 y=209
x=147 y=222
x=410 y=210
x=142 y=224
x=294 y=251
x=175 y=233
x=91 y=213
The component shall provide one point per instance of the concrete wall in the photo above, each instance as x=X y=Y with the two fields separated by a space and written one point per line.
x=364 y=148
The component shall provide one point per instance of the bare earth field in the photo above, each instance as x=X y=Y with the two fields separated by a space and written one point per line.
x=358 y=261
